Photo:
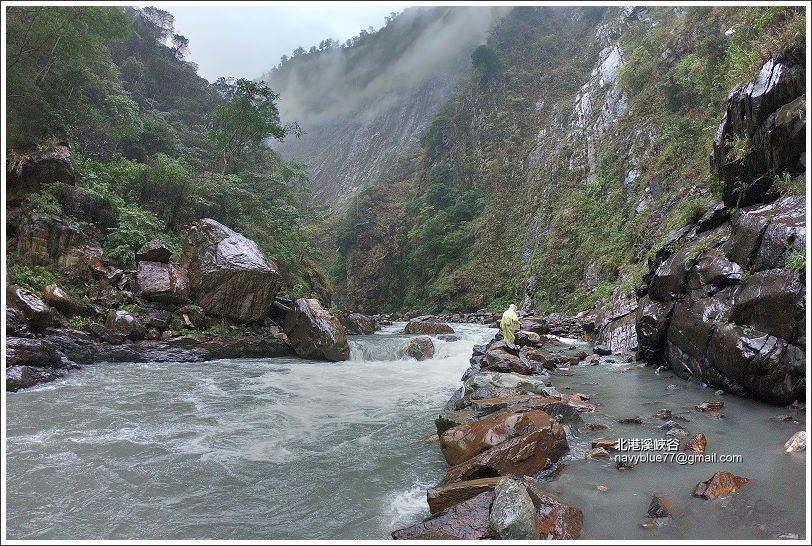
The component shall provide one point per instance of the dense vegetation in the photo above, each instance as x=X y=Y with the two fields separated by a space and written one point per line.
x=159 y=142
x=478 y=218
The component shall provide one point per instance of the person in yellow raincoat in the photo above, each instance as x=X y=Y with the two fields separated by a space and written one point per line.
x=509 y=323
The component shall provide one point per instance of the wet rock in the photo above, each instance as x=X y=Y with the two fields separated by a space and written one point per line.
x=500 y=360
x=445 y=496
x=513 y=514
x=674 y=429
x=156 y=318
x=125 y=323
x=597 y=453
x=663 y=414
x=102 y=333
x=711 y=405
x=162 y=282
x=631 y=420
x=419 y=348
x=622 y=464
x=652 y=320
x=22 y=377
x=557 y=520
x=466 y=441
x=27 y=174
x=36 y=312
x=715 y=269
x=468 y=520
x=714 y=217
x=659 y=507
x=62 y=301
x=449 y=337
x=719 y=485
x=15 y=323
x=57 y=242
x=773 y=302
x=427 y=324
x=669 y=280
x=154 y=251
x=785 y=232
x=602 y=350
x=22 y=351
x=527 y=339
x=523 y=455
x=714 y=415
x=595 y=427
x=696 y=444
x=534 y=324
x=796 y=443
x=228 y=273
x=607 y=444
x=358 y=324
x=314 y=332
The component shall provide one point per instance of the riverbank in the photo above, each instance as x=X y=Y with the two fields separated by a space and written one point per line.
x=512 y=475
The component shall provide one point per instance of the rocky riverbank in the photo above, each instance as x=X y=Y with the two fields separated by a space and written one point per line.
x=507 y=435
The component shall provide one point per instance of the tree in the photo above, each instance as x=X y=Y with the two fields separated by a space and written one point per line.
x=249 y=115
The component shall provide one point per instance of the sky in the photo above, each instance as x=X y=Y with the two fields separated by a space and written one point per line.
x=246 y=41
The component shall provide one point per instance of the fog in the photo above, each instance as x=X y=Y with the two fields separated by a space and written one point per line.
x=418 y=45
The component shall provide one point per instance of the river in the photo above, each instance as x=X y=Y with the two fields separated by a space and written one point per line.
x=285 y=448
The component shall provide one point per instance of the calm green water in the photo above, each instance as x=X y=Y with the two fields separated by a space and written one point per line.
x=285 y=448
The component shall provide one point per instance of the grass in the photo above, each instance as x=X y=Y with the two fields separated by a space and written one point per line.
x=795 y=260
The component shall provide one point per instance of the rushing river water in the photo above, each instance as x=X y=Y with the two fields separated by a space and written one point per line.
x=287 y=448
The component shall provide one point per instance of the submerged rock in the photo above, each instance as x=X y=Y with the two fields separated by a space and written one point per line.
x=659 y=507
x=719 y=485
x=419 y=348
x=314 y=333
x=696 y=444
x=228 y=273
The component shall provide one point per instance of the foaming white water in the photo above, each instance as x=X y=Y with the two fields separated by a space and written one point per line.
x=407 y=506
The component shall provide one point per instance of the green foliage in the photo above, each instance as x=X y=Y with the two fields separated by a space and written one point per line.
x=34 y=278
x=486 y=61
x=795 y=260
x=136 y=226
x=79 y=322
x=43 y=202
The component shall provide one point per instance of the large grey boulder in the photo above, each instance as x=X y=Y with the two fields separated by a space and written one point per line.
x=228 y=273
x=162 y=282
x=314 y=332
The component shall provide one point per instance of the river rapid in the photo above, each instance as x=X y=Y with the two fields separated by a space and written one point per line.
x=285 y=448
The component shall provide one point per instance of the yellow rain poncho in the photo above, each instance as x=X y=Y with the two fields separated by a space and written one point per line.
x=509 y=323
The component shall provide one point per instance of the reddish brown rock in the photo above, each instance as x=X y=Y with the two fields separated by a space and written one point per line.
x=597 y=453
x=697 y=443
x=468 y=520
x=607 y=444
x=445 y=496
x=523 y=455
x=557 y=520
x=719 y=485
x=630 y=420
x=466 y=441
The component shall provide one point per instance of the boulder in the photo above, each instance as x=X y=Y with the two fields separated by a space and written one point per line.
x=715 y=269
x=534 y=324
x=228 y=273
x=796 y=443
x=696 y=444
x=358 y=324
x=22 y=377
x=652 y=320
x=27 y=174
x=446 y=496
x=557 y=520
x=15 y=323
x=22 y=351
x=419 y=348
x=468 y=520
x=35 y=311
x=500 y=360
x=468 y=440
x=774 y=302
x=659 y=507
x=513 y=514
x=62 y=301
x=102 y=333
x=427 y=324
x=154 y=251
x=126 y=324
x=670 y=278
x=314 y=332
x=527 y=454
x=719 y=485
x=162 y=282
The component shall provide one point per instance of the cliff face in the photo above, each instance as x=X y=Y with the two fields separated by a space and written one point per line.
x=367 y=103
x=575 y=144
